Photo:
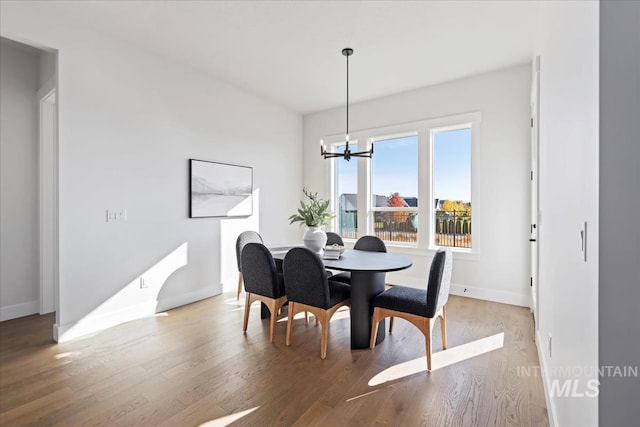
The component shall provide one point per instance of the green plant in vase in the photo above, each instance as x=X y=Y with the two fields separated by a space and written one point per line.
x=314 y=213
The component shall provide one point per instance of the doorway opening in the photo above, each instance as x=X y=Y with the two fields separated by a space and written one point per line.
x=29 y=191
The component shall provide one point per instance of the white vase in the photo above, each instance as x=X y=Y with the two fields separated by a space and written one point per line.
x=315 y=239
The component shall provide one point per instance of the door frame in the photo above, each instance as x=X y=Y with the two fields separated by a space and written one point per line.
x=534 y=230
x=48 y=197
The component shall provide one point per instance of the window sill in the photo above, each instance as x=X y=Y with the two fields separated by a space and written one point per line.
x=458 y=253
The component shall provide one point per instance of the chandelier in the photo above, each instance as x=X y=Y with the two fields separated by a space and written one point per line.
x=346 y=154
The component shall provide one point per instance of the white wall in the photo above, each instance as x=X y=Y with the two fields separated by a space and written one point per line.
x=501 y=272
x=47 y=66
x=568 y=286
x=19 y=285
x=128 y=123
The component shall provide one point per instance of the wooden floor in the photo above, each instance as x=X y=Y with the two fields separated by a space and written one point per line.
x=194 y=365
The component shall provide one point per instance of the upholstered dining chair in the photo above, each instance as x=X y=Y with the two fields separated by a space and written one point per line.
x=334 y=239
x=244 y=238
x=419 y=306
x=309 y=289
x=364 y=243
x=262 y=283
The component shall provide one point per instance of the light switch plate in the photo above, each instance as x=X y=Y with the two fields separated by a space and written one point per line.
x=113 y=215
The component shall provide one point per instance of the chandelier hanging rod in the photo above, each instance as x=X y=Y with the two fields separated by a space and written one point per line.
x=346 y=154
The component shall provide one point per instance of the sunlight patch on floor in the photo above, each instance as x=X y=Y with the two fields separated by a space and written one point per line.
x=236 y=305
x=228 y=419
x=67 y=354
x=440 y=359
x=298 y=316
x=362 y=395
x=341 y=314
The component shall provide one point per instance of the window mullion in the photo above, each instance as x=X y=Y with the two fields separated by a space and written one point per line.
x=425 y=187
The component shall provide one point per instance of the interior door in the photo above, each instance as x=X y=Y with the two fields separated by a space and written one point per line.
x=535 y=165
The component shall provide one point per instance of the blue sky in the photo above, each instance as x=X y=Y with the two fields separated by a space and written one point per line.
x=452 y=165
x=395 y=167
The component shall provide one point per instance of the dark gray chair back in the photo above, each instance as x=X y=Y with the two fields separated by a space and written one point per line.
x=371 y=244
x=244 y=238
x=435 y=281
x=305 y=279
x=259 y=271
x=334 y=239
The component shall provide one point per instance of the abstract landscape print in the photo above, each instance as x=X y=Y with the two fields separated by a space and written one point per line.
x=220 y=189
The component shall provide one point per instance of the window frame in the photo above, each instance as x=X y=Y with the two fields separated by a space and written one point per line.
x=374 y=209
x=432 y=232
x=424 y=129
x=333 y=143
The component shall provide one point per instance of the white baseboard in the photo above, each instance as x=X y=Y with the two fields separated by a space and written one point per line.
x=551 y=409
x=91 y=324
x=19 y=310
x=494 y=295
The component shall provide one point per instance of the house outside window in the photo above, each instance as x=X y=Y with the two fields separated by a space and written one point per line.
x=394 y=189
x=345 y=195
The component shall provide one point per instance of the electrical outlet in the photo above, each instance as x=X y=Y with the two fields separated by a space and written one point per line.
x=143 y=283
x=550 y=346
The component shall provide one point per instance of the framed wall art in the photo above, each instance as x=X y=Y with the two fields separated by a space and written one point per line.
x=219 y=189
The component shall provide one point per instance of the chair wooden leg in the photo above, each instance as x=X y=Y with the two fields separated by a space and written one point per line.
x=292 y=306
x=443 y=327
x=390 y=324
x=427 y=339
x=239 y=286
x=306 y=318
x=274 y=317
x=247 y=307
x=374 y=327
x=324 y=324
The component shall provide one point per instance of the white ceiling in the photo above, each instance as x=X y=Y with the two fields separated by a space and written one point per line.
x=289 y=51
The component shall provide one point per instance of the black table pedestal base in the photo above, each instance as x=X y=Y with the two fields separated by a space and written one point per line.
x=364 y=287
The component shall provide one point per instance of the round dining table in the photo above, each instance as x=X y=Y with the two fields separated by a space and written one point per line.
x=368 y=271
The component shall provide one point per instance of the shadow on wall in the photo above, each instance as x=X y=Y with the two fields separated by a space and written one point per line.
x=139 y=298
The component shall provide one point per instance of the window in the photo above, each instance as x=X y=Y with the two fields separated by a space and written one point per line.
x=418 y=170
x=451 y=179
x=394 y=189
x=346 y=195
